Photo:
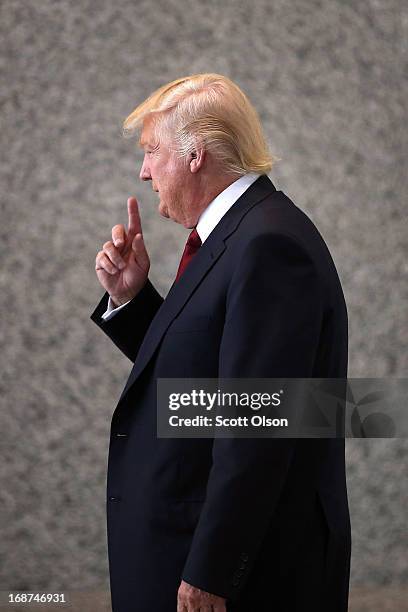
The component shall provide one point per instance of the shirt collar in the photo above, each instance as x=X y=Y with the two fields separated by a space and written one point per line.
x=217 y=208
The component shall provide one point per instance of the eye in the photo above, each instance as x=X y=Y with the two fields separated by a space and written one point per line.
x=151 y=151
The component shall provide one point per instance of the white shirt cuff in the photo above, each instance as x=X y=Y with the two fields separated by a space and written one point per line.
x=111 y=310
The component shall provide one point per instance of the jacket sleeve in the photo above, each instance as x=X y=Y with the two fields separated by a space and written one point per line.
x=129 y=326
x=272 y=328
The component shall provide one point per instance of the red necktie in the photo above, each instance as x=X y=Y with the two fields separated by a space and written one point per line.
x=192 y=245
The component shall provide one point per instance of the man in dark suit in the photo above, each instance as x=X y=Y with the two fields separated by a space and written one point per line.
x=243 y=525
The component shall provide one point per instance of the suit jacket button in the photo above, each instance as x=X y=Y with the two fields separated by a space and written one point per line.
x=244 y=557
x=235 y=582
x=121 y=435
x=113 y=498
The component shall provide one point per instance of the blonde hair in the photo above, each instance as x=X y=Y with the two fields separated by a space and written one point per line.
x=211 y=110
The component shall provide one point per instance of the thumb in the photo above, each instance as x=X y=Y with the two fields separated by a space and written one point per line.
x=139 y=250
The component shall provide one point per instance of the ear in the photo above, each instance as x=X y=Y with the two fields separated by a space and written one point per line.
x=197 y=158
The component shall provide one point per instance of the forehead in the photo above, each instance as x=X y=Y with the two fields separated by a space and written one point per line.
x=147 y=135
x=145 y=139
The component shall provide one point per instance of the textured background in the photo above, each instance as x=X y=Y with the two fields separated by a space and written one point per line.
x=329 y=81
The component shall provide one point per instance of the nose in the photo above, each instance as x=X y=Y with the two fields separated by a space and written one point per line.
x=145 y=171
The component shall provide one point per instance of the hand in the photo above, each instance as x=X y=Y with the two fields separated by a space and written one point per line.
x=123 y=264
x=191 y=599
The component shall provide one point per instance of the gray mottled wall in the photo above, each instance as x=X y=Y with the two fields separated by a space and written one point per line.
x=329 y=81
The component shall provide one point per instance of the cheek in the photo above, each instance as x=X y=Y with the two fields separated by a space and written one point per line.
x=168 y=182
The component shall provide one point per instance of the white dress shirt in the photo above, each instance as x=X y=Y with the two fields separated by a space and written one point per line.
x=208 y=219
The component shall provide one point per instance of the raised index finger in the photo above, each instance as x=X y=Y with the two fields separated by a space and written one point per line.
x=134 y=224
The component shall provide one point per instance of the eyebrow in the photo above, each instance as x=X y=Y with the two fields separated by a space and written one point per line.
x=145 y=143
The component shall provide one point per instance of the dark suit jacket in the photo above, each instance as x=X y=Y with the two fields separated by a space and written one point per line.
x=262 y=522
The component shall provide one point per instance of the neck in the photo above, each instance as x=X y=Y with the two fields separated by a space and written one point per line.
x=209 y=190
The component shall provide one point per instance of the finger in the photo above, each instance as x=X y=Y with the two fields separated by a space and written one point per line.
x=104 y=263
x=194 y=606
x=112 y=252
x=219 y=607
x=134 y=224
x=140 y=252
x=118 y=235
x=181 y=607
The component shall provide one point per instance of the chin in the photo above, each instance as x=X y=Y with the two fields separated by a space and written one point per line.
x=163 y=211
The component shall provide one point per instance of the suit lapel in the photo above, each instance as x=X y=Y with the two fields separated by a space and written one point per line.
x=203 y=261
